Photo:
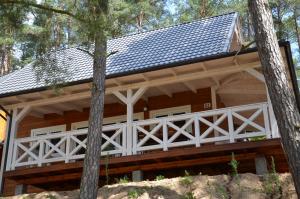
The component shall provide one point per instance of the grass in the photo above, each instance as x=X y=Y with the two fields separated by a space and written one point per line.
x=123 y=180
x=159 y=177
x=234 y=166
x=186 y=180
x=272 y=183
x=134 y=193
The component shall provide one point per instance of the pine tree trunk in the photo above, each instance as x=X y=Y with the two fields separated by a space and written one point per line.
x=4 y=60
x=296 y=29
x=281 y=94
x=91 y=168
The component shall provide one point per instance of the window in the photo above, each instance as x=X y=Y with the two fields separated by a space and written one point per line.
x=172 y=112
x=108 y=121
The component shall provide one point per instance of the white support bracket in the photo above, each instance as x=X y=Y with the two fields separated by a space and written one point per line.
x=130 y=99
x=256 y=74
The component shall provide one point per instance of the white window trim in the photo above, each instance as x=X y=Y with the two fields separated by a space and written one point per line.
x=47 y=130
x=108 y=120
x=170 y=111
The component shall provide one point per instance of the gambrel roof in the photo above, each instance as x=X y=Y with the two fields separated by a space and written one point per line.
x=146 y=51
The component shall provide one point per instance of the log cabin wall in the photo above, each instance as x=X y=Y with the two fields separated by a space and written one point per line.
x=196 y=100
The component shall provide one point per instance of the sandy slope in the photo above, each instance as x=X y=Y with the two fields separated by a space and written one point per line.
x=246 y=186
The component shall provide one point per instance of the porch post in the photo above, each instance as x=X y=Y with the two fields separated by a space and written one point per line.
x=4 y=158
x=16 y=118
x=273 y=122
x=11 y=135
x=214 y=106
x=130 y=99
x=129 y=121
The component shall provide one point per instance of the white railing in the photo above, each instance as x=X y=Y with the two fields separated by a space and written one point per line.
x=66 y=146
x=228 y=125
x=221 y=125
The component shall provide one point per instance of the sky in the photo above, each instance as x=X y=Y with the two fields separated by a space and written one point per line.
x=172 y=8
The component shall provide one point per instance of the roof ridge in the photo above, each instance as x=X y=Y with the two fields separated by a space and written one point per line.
x=172 y=26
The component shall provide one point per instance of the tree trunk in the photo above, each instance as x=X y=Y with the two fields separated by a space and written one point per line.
x=296 y=29
x=281 y=94
x=4 y=60
x=91 y=168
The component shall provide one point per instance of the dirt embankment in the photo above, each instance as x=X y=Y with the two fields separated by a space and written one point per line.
x=245 y=186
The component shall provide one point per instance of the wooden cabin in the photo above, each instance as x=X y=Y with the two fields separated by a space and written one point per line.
x=177 y=98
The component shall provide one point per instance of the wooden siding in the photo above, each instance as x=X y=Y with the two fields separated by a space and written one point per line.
x=196 y=100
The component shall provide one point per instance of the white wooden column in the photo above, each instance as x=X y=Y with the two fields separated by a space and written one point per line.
x=16 y=118
x=273 y=121
x=4 y=152
x=130 y=99
x=214 y=106
x=129 y=121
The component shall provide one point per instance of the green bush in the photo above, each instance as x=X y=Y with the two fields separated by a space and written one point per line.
x=159 y=177
x=134 y=193
x=123 y=180
x=234 y=165
x=188 y=195
x=187 y=180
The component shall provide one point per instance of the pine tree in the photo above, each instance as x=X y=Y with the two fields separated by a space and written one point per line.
x=273 y=66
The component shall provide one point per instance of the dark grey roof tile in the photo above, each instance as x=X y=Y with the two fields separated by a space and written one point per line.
x=152 y=49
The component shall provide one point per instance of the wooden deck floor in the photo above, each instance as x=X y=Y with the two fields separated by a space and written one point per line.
x=48 y=177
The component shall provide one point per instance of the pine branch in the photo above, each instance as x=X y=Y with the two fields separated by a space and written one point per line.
x=42 y=7
x=244 y=47
x=112 y=53
x=86 y=51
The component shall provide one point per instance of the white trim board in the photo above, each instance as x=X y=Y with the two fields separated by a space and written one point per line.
x=48 y=130
x=170 y=111
x=108 y=120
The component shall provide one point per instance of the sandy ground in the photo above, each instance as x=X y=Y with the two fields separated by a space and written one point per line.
x=245 y=186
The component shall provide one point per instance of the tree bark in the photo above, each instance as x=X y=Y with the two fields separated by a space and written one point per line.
x=5 y=65
x=295 y=16
x=281 y=94
x=91 y=167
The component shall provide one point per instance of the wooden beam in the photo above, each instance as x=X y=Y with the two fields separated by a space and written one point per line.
x=143 y=167
x=150 y=83
x=36 y=114
x=22 y=113
x=117 y=82
x=21 y=98
x=45 y=110
x=256 y=74
x=231 y=78
x=241 y=91
x=69 y=106
x=164 y=91
x=190 y=86
x=213 y=78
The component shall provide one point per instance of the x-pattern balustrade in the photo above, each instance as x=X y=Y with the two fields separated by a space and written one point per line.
x=227 y=125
